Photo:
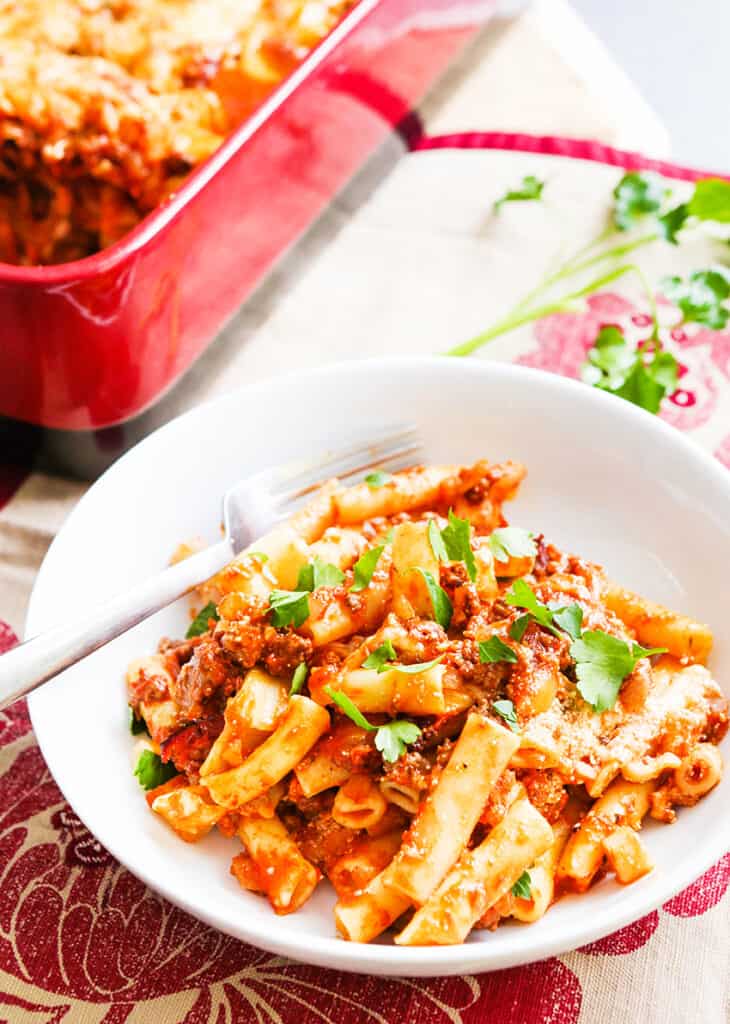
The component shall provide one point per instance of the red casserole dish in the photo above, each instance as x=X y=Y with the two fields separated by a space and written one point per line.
x=92 y=343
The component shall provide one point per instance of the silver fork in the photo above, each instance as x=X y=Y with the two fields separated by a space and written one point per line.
x=250 y=508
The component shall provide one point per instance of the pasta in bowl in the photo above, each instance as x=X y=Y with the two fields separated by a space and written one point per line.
x=448 y=717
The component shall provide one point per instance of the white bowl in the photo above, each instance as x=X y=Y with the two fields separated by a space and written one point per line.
x=605 y=480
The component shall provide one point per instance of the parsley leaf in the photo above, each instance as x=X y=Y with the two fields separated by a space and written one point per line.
x=531 y=188
x=437 y=542
x=506 y=710
x=519 y=626
x=136 y=725
x=614 y=366
x=442 y=607
x=414 y=670
x=289 y=607
x=376 y=479
x=379 y=658
x=511 y=542
x=457 y=541
x=673 y=221
x=319 y=573
x=522 y=888
x=711 y=201
x=299 y=678
x=520 y=596
x=391 y=739
x=364 y=568
x=602 y=662
x=569 y=619
x=199 y=625
x=151 y=772
x=700 y=298
x=494 y=650
x=636 y=195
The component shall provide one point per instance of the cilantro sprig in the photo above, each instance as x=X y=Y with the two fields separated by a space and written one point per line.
x=364 y=568
x=506 y=710
x=440 y=601
x=384 y=658
x=151 y=772
x=318 y=573
x=702 y=297
x=391 y=739
x=511 y=542
x=199 y=625
x=529 y=189
x=643 y=377
x=453 y=543
x=494 y=650
x=289 y=608
x=522 y=888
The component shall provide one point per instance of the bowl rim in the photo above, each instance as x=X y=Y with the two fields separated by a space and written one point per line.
x=334 y=952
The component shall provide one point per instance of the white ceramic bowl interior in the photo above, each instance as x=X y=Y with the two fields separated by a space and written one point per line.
x=605 y=480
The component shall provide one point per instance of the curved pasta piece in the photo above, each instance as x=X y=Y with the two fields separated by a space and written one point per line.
x=657 y=626
x=359 y=803
x=282 y=872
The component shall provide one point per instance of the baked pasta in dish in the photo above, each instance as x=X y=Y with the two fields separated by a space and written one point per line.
x=448 y=717
x=106 y=105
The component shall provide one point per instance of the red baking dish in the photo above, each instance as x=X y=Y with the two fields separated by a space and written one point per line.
x=89 y=344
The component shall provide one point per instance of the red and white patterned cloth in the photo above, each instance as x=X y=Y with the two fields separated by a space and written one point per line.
x=83 y=942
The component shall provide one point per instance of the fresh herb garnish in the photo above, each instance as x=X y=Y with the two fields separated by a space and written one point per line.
x=635 y=196
x=390 y=739
x=494 y=650
x=641 y=377
x=377 y=479
x=569 y=619
x=519 y=626
x=440 y=603
x=506 y=710
x=701 y=296
x=379 y=658
x=457 y=541
x=151 y=772
x=522 y=888
x=259 y=556
x=531 y=188
x=299 y=678
x=672 y=222
x=318 y=573
x=602 y=662
x=289 y=607
x=711 y=201
x=436 y=541
x=511 y=542
x=364 y=568
x=421 y=666
x=136 y=725
x=199 y=625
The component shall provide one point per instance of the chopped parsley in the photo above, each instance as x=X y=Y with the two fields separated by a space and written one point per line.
x=437 y=542
x=494 y=650
x=364 y=568
x=151 y=772
x=457 y=541
x=522 y=888
x=530 y=188
x=377 y=479
x=289 y=607
x=602 y=662
x=390 y=739
x=701 y=297
x=299 y=678
x=519 y=626
x=318 y=573
x=440 y=603
x=199 y=625
x=511 y=542
x=641 y=377
x=506 y=710
x=379 y=658
x=635 y=196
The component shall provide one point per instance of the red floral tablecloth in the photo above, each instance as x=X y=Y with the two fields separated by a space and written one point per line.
x=82 y=941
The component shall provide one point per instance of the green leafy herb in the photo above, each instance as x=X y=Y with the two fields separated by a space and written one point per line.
x=376 y=479
x=506 y=710
x=440 y=603
x=636 y=195
x=390 y=739
x=518 y=627
x=643 y=379
x=289 y=607
x=319 y=573
x=364 y=568
x=437 y=542
x=701 y=297
x=380 y=657
x=531 y=188
x=602 y=662
x=199 y=624
x=511 y=542
x=671 y=222
x=414 y=670
x=259 y=556
x=151 y=772
x=520 y=596
x=522 y=888
x=299 y=678
x=711 y=201
x=457 y=541
x=569 y=619
x=494 y=650
x=136 y=725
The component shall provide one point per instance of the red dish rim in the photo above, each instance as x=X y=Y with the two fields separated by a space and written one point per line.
x=160 y=217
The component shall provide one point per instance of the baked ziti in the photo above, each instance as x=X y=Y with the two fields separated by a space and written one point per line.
x=446 y=716
x=106 y=105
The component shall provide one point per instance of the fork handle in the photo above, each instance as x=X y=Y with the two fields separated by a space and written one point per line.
x=32 y=663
